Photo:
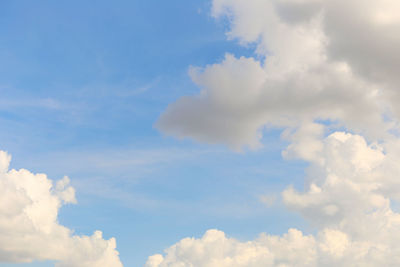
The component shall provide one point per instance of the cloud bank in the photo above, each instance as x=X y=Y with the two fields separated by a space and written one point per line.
x=29 y=205
x=321 y=66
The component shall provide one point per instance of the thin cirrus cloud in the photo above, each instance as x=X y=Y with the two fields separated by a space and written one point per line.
x=29 y=205
x=334 y=61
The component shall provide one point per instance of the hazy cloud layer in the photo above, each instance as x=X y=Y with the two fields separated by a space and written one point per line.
x=29 y=205
x=335 y=61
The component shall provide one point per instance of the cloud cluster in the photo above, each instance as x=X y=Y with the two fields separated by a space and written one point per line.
x=322 y=65
x=29 y=205
x=350 y=184
x=320 y=61
x=328 y=248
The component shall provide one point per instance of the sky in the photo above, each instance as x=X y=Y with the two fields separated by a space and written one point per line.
x=207 y=133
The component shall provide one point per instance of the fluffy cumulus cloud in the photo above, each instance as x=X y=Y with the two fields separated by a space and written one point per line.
x=320 y=66
x=29 y=205
x=350 y=185
x=320 y=60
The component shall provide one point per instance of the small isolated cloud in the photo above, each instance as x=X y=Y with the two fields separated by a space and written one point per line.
x=268 y=199
x=29 y=206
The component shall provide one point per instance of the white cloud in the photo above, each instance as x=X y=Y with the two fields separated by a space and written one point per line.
x=347 y=198
x=29 y=205
x=331 y=60
x=306 y=74
x=214 y=249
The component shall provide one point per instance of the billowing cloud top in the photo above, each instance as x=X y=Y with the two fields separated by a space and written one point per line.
x=29 y=205
x=334 y=61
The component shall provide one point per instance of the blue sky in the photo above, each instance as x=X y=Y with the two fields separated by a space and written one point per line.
x=82 y=84
x=175 y=118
